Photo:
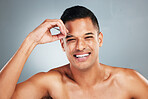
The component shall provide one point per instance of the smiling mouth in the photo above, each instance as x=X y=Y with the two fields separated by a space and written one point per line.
x=82 y=55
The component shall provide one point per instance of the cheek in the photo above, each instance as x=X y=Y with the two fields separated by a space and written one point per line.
x=69 y=47
x=93 y=43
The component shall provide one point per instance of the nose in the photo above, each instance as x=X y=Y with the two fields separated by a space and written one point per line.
x=81 y=45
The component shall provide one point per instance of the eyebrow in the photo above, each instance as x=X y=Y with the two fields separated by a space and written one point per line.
x=68 y=36
x=89 y=33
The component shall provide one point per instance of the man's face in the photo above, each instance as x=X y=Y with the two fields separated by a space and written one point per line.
x=82 y=44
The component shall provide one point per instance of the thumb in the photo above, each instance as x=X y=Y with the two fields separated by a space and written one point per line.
x=57 y=37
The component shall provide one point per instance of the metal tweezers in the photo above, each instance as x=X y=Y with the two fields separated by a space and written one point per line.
x=59 y=29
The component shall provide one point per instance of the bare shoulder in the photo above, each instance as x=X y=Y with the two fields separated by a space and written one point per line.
x=131 y=81
x=51 y=75
x=32 y=87
x=39 y=85
x=129 y=75
x=126 y=74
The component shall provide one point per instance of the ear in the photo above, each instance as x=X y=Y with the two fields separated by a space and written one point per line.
x=62 y=44
x=100 y=39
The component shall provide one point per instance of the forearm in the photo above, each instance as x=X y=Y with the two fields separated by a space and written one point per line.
x=10 y=74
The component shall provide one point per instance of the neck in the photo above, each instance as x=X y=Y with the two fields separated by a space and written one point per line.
x=88 y=77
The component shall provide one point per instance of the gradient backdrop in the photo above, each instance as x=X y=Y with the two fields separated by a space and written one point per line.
x=124 y=24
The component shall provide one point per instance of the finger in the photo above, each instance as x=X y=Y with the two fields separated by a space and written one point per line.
x=55 y=23
x=61 y=25
x=57 y=37
x=65 y=29
x=47 y=38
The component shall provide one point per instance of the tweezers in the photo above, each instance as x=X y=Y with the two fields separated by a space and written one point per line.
x=59 y=29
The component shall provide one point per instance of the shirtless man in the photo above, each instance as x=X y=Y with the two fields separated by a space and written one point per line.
x=84 y=77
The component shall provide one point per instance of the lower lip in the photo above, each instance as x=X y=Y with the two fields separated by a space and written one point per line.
x=82 y=59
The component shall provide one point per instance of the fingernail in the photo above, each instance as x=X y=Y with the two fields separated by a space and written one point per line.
x=67 y=31
x=60 y=37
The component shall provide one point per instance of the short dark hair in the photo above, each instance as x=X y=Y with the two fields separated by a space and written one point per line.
x=77 y=12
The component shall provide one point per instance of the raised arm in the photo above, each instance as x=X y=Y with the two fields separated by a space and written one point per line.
x=10 y=73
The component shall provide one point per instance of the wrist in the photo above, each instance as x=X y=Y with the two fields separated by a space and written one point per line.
x=29 y=39
x=27 y=46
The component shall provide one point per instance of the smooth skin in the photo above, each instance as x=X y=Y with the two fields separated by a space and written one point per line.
x=82 y=78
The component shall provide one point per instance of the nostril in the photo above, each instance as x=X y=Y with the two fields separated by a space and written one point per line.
x=81 y=45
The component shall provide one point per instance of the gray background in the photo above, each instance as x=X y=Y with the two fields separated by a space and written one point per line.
x=124 y=24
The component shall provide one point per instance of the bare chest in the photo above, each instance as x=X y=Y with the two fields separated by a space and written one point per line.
x=98 y=92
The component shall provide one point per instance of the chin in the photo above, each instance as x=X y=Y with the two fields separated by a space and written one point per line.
x=82 y=66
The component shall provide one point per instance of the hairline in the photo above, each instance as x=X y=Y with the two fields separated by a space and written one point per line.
x=94 y=24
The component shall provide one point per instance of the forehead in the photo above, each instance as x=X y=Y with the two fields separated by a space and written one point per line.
x=80 y=26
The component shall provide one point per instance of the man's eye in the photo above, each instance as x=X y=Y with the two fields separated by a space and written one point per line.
x=70 y=40
x=88 y=37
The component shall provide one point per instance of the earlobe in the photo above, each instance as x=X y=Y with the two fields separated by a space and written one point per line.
x=100 y=39
x=62 y=44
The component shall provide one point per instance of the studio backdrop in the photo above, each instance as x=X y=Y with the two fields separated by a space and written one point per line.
x=124 y=24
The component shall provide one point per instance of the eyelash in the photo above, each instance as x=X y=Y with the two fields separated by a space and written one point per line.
x=88 y=37
x=70 y=40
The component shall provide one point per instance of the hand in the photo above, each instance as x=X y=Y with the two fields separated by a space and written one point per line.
x=42 y=33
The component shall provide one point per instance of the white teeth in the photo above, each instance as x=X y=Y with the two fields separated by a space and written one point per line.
x=80 y=56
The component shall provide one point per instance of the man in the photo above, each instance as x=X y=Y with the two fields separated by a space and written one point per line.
x=84 y=77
